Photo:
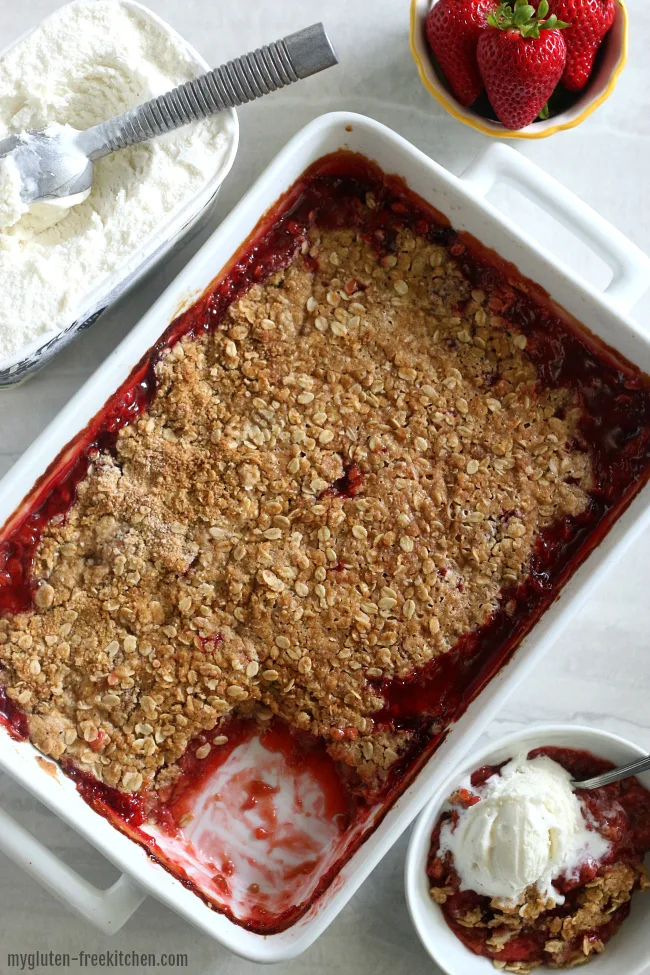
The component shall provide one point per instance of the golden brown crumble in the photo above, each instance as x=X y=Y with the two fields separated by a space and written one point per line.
x=208 y=568
x=572 y=939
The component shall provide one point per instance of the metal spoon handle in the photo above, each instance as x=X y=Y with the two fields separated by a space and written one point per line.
x=615 y=775
x=235 y=83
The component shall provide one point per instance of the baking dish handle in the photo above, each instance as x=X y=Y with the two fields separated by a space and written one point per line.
x=630 y=266
x=106 y=909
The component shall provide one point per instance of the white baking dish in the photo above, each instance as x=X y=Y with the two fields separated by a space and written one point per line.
x=626 y=953
x=170 y=235
x=463 y=201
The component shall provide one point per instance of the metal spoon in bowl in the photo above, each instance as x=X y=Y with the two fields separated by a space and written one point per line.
x=614 y=775
x=55 y=165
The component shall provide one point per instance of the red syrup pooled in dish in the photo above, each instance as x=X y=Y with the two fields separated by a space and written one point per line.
x=266 y=815
x=129 y=808
x=13 y=719
x=256 y=829
x=615 y=429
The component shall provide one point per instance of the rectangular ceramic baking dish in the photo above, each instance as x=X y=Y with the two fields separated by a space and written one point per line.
x=171 y=234
x=463 y=201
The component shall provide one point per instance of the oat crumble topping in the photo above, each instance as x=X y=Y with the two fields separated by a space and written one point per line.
x=209 y=567
x=570 y=939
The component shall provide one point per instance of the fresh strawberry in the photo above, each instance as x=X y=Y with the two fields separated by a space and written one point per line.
x=589 y=21
x=521 y=57
x=453 y=30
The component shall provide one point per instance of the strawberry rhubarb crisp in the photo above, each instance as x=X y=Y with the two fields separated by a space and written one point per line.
x=337 y=493
x=529 y=871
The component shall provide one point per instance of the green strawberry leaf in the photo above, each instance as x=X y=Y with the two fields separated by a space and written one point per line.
x=523 y=14
x=544 y=114
x=524 y=18
x=553 y=24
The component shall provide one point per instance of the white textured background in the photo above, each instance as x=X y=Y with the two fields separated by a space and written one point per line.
x=598 y=674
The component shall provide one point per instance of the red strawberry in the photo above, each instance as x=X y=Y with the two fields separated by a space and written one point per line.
x=589 y=21
x=521 y=57
x=453 y=30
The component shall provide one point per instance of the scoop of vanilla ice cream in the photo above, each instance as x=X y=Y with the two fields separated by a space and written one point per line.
x=528 y=829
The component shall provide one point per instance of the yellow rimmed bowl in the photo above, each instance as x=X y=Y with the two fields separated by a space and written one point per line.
x=573 y=108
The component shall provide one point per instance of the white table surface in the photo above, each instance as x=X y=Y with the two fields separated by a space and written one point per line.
x=597 y=674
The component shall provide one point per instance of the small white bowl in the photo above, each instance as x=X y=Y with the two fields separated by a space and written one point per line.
x=627 y=953
x=610 y=63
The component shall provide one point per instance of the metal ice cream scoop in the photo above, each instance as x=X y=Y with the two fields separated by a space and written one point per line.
x=55 y=165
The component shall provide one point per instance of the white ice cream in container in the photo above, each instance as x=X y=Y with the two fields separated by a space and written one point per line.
x=88 y=61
